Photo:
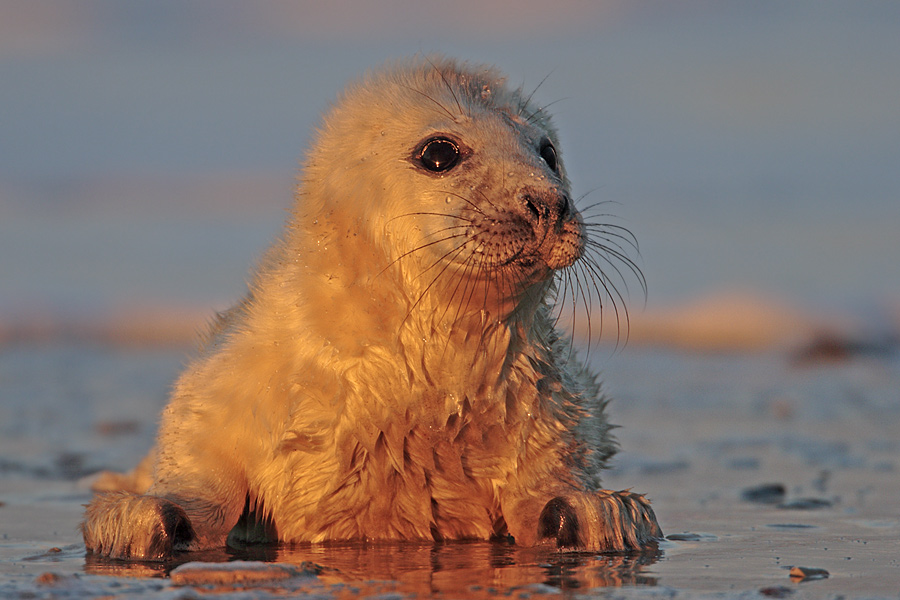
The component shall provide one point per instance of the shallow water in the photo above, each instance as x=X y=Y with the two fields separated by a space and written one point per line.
x=696 y=431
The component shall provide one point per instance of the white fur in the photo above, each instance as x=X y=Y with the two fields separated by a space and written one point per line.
x=374 y=384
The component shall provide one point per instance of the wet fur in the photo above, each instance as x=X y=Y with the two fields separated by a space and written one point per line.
x=394 y=371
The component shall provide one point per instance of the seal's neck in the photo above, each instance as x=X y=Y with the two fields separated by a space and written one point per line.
x=448 y=343
x=363 y=299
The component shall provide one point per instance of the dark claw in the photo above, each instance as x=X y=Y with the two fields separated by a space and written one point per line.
x=559 y=520
x=175 y=531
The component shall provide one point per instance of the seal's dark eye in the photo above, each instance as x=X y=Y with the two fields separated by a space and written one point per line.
x=439 y=154
x=548 y=153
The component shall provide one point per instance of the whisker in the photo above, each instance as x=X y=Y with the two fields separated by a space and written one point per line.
x=617 y=231
x=600 y=280
x=558 y=301
x=534 y=114
x=590 y=207
x=604 y=252
x=446 y=110
x=447 y=84
x=448 y=228
x=452 y=253
x=474 y=206
x=418 y=248
x=472 y=262
x=434 y=280
x=613 y=240
x=587 y=310
x=606 y=277
x=429 y=214
x=527 y=101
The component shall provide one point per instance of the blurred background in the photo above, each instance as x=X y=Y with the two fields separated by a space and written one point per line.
x=148 y=154
x=148 y=150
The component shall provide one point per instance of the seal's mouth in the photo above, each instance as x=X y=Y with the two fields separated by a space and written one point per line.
x=564 y=245
x=541 y=232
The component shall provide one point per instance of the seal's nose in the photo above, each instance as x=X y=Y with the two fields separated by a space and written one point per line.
x=548 y=210
x=565 y=207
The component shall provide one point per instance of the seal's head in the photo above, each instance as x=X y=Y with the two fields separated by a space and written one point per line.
x=451 y=182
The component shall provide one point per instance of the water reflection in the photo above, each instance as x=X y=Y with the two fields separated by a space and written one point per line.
x=447 y=568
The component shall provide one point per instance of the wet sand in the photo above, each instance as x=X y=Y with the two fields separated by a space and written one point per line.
x=698 y=431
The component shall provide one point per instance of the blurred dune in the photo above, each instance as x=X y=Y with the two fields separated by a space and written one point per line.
x=742 y=321
x=147 y=327
x=724 y=321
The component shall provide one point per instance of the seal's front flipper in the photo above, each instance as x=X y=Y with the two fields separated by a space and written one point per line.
x=125 y=525
x=602 y=521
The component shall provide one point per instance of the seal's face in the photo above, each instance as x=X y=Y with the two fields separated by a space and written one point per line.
x=527 y=230
x=444 y=182
x=487 y=191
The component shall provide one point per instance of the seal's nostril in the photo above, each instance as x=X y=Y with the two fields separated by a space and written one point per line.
x=533 y=208
x=565 y=207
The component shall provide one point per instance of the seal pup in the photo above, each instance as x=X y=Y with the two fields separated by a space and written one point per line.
x=394 y=372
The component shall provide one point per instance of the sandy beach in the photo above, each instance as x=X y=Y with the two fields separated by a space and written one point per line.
x=148 y=153
x=699 y=431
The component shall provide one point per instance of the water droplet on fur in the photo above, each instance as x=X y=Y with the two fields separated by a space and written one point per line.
x=448 y=200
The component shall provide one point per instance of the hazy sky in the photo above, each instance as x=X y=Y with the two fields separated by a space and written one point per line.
x=148 y=147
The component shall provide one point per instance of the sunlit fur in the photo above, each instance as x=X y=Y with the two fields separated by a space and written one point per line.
x=394 y=371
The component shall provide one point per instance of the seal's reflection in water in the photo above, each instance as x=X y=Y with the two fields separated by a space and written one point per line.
x=450 y=567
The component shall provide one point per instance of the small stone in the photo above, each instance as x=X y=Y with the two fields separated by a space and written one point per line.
x=767 y=493
x=776 y=591
x=54 y=579
x=683 y=537
x=799 y=574
x=691 y=537
x=48 y=579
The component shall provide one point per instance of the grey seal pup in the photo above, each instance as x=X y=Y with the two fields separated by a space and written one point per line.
x=394 y=372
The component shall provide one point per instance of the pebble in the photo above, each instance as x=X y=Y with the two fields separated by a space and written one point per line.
x=767 y=493
x=55 y=579
x=776 y=591
x=691 y=537
x=799 y=574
